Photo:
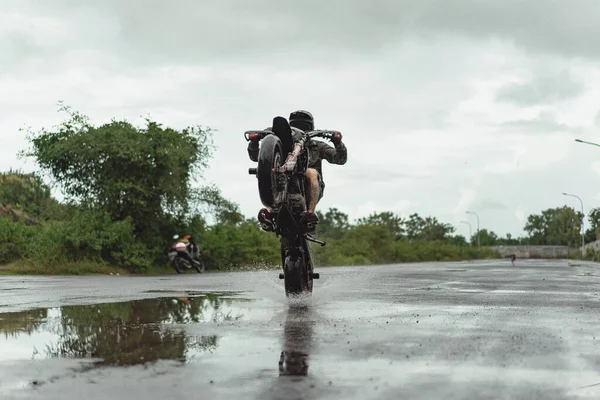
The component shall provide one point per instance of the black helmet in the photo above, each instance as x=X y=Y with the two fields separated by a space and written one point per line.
x=302 y=119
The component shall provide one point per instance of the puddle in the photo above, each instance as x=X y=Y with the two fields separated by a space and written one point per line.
x=120 y=334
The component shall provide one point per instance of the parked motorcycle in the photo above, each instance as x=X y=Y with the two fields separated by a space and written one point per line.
x=183 y=257
x=281 y=186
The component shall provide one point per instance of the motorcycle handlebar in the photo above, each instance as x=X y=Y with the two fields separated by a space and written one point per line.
x=290 y=163
x=250 y=135
x=260 y=134
x=326 y=134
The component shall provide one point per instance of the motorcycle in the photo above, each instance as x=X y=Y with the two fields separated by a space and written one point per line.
x=281 y=186
x=180 y=255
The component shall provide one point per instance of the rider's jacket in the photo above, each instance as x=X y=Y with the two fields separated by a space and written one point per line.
x=317 y=151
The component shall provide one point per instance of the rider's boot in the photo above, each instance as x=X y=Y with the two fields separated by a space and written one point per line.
x=310 y=221
x=266 y=220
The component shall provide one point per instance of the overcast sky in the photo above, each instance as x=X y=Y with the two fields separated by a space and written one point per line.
x=445 y=106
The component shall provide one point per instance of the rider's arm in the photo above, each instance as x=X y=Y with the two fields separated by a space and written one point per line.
x=336 y=154
x=253 y=148
x=298 y=136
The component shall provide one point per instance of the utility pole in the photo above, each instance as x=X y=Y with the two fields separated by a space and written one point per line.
x=471 y=212
x=470 y=232
x=582 y=223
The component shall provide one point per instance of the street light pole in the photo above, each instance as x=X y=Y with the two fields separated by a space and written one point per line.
x=583 y=141
x=471 y=212
x=582 y=222
x=470 y=231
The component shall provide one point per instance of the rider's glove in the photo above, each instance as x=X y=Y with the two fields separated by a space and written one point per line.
x=336 y=138
x=254 y=137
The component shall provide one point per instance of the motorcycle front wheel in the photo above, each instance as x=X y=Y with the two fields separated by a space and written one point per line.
x=200 y=268
x=297 y=271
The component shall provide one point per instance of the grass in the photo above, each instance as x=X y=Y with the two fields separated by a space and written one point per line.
x=89 y=268
x=24 y=268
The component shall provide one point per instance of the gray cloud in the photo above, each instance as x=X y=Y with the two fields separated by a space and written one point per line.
x=597 y=120
x=544 y=122
x=187 y=31
x=17 y=48
x=556 y=27
x=543 y=89
x=489 y=204
x=368 y=174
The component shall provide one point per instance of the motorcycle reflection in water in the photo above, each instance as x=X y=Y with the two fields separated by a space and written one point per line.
x=297 y=342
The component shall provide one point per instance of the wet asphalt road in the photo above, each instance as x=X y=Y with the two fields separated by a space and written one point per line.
x=476 y=330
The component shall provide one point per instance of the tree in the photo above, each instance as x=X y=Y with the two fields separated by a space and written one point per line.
x=428 y=228
x=24 y=192
x=592 y=233
x=386 y=219
x=509 y=240
x=486 y=238
x=223 y=211
x=414 y=226
x=334 y=224
x=141 y=173
x=457 y=240
x=555 y=226
x=432 y=229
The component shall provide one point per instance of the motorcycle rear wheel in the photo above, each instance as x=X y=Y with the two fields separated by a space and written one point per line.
x=177 y=264
x=270 y=156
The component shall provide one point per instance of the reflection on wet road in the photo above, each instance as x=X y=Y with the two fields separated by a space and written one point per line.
x=126 y=333
x=297 y=337
x=460 y=331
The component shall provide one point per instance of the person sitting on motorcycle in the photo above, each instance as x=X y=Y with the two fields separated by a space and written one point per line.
x=192 y=246
x=303 y=121
x=191 y=254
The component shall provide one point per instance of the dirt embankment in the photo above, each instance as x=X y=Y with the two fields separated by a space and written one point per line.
x=6 y=211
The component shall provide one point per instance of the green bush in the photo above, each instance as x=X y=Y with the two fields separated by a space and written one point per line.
x=235 y=245
x=91 y=238
x=88 y=237
x=373 y=244
x=15 y=238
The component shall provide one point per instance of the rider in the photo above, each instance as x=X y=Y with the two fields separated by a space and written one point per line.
x=193 y=247
x=302 y=120
x=193 y=251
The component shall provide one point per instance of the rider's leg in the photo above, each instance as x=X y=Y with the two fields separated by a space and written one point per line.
x=313 y=189
x=314 y=193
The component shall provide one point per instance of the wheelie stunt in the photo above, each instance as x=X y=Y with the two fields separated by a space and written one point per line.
x=290 y=184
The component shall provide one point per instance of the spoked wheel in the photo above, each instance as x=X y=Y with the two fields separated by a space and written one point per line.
x=178 y=265
x=200 y=268
x=270 y=156
x=297 y=271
